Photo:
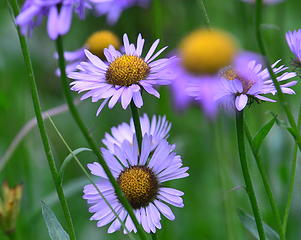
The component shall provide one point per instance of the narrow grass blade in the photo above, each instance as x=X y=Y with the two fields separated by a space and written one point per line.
x=248 y=222
x=69 y=158
x=55 y=229
x=262 y=133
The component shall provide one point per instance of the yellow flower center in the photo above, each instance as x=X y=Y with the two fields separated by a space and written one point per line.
x=230 y=74
x=98 y=41
x=127 y=70
x=206 y=51
x=139 y=185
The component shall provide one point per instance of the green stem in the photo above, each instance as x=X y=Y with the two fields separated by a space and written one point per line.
x=266 y=184
x=154 y=236
x=246 y=174
x=158 y=18
x=41 y=126
x=136 y=119
x=92 y=144
x=280 y=94
x=205 y=14
x=291 y=181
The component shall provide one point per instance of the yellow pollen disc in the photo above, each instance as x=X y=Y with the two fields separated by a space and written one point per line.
x=98 y=41
x=207 y=51
x=139 y=185
x=230 y=74
x=127 y=70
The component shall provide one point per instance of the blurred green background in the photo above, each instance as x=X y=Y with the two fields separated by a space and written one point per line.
x=214 y=190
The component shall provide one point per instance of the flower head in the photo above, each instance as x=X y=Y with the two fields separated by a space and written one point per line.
x=141 y=178
x=202 y=54
x=113 y=9
x=9 y=207
x=246 y=79
x=267 y=2
x=58 y=12
x=96 y=44
x=157 y=127
x=122 y=76
x=293 y=40
x=206 y=51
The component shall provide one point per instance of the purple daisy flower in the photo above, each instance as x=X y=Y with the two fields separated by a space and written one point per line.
x=122 y=76
x=187 y=86
x=114 y=9
x=158 y=128
x=141 y=178
x=294 y=42
x=247 y=79
x=267 y=2
x=96 y=43
x=59 y=20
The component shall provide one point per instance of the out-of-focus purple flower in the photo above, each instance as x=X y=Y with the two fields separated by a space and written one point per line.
x=140 y=177
x=123 y=76
x=114 y=9
x=96 y=44
x=157 y=127
x=202 y=89
x=202 y=54
x=294 y=42
x=247 y=79
x=187 y=87
x=58 y=12
x=268 y=2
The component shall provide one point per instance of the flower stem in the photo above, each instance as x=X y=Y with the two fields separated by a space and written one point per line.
x=41 y=126
x=205 y=14
x=246 y=174
x=154 y=236
x=291 y=182
x=92 y=144
x=280 y=94
x=136 y=119
x=266 y=184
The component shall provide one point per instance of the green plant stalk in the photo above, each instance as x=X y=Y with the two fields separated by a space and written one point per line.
x=86 y=173
x=154 y=236
x=41 y=126
x=291 y=181
x=205 y=14
x=280 y=94
x=266 y=184
x=246 y=174
x=136 y=119
x=92 y=144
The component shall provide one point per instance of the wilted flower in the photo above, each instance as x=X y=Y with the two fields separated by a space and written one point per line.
x=141 y=178
x=123 y=76
x=267 y=2
x=58 y=12
x=9 y=207
x=157 y=127
x=96 y=44
x=113 y=9
x=246 y=79
x=294 y=42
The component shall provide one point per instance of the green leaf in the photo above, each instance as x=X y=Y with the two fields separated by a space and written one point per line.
x=69 y=158
x=55 y=229
x=262 y=133
x=249 y=223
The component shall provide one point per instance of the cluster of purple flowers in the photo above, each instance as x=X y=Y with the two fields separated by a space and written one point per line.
x=122 y=75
